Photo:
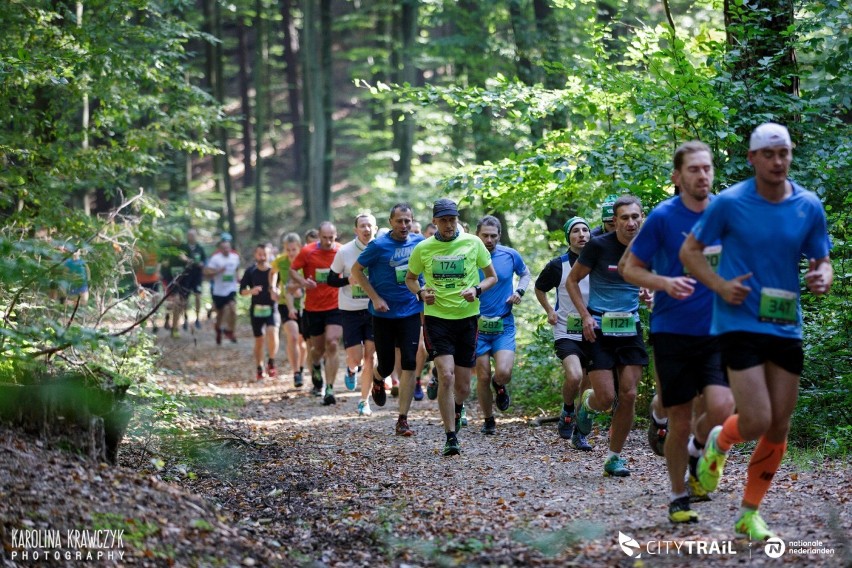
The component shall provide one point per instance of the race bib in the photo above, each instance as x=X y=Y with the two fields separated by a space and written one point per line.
x=358 y=293
x=618 y=324
x=491 y=325
x=227 y=278
x=261 y=311
x=321 y=275
x=401 y=271
x=448 y=267
x=574 y=324
x=713 y=254
x=778 y=306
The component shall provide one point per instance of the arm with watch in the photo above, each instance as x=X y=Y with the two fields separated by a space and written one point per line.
x=472 y=293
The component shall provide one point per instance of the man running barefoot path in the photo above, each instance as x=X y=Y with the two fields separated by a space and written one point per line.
x=687 y=358
x=611 y=326
x=449 y=262
x=571 y=349
x=358 y=340
x=321 y=315
x=496 y=322
x=263 y=312
x=767 y=225
x=380 y=270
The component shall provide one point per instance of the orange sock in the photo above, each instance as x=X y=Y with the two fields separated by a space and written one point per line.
x=730 y=433
x=761 y=469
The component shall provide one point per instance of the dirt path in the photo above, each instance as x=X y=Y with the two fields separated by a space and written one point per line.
x=325 y=486
x=260 y=474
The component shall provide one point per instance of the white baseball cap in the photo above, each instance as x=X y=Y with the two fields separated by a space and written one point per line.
x=769 y=135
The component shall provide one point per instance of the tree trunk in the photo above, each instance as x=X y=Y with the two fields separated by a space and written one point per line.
x=328 y=104
x=223 y=169
x=316 y=207
x=548 y=38
x=407 y=74
x=245 y=102
x=291 y=72
x=525 y=47
x=382 y=46
x=260 y=125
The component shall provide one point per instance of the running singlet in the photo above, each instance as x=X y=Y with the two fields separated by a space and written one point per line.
x=658 y=245
x=147 y=271
x=199 y=258
x=225 y=283
x=449 y=268
x=507 y=261
x=608 y=291
x=386 y=262
x=315 y=263
x=769 y=240
x=76 y=278
x=262 y=304
x=352 y=297
x=568 y=322
x=282 y=263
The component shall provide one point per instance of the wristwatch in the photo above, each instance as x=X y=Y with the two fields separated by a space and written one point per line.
x=420 y=291
x=478 y=291
x=520 y=292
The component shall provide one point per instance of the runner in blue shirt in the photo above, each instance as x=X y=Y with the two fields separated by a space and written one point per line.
x=380 y=271
x=496 y=322
x=688 y=360
x=767 y=226
x=611 y=326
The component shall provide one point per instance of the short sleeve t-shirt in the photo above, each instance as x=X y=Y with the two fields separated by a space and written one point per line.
x=282 y=264
x=568 y=322
x=253 y=276
x=658 y=246
x=315 y=263
x=352 y=297
x=225 y=283
x=507 y=262
x=608 y=291
x=769 y=240
x=450 y=267
x=385 y=261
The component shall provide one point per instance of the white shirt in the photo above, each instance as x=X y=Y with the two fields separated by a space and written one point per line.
x=351 y=298
x=226 y=282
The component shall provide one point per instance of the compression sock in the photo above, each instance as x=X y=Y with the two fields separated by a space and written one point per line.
x=730 y=434
x=764 y=462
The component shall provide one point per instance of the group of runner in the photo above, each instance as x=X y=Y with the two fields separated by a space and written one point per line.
x=725 y=324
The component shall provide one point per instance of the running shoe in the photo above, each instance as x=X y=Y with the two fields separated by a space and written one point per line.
x=271 y=372
x=349 y=379
x=502 y=400
x=697 y=494
x=616 y=466
x=186 y=325
x=402 y=428
x=712 y=463
x=418 y=391
x=452 y=447
x=432 y=388
x=489 y=428
x=565 y=426
x=679 y=511
x=461 y=419
x=259 y=375
x=230 y=335
x=579 y=442
x=394 y=387
x=329 y=399
x=316 y=380
x=364 y=408
x=380 y=397
x=197 y=324
x=656 y=433
x=297 y=379
x=218 y=336
x=751 y=524
x=584 y=415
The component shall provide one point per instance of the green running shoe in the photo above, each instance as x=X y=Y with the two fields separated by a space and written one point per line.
x=432 y=386
x=697 y=494
x=679 y=511
x=461 y=419
x=616 y=466
x=452 y=447
x=583 y=422
x=753 y=526
x=712 y=463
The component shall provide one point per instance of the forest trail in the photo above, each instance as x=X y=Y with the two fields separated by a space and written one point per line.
x=264 y=475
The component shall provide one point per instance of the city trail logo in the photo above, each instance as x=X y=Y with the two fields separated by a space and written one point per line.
x=629 y=545
x=52 y=544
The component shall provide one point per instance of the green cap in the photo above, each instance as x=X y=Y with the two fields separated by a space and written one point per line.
x=569 y=224
x=607 y=212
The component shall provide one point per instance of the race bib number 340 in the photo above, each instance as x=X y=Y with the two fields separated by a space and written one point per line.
x=778 y=306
